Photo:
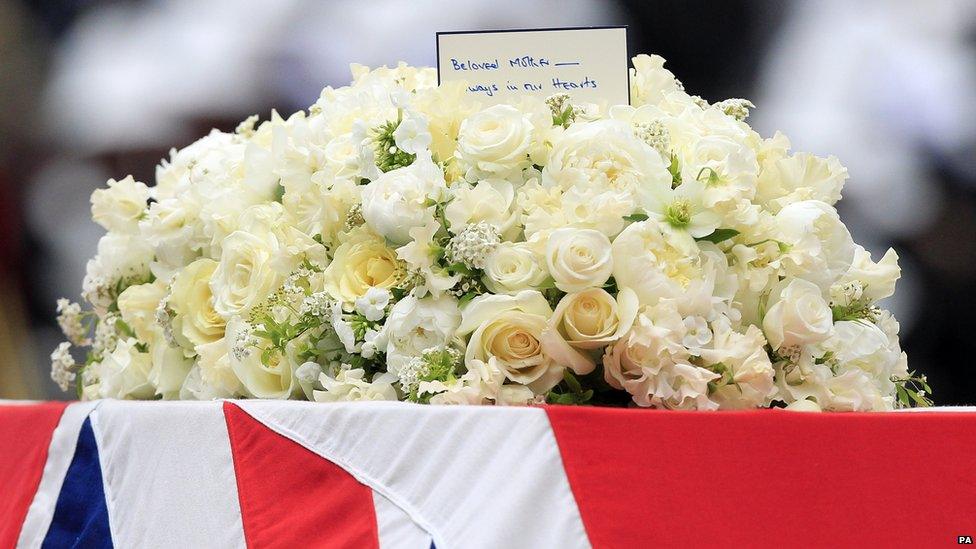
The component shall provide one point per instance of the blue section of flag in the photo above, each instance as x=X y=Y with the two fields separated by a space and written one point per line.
x=81 y=517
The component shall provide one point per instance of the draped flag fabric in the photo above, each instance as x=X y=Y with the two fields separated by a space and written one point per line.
x=379 y=475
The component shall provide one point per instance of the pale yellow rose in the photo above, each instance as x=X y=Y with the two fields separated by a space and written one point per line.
x=361 y=262
x=192 y=301
x=506 y=332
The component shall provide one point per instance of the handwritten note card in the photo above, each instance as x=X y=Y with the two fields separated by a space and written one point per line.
x=590 y=64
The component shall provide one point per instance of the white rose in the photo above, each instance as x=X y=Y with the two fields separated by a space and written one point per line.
x=490 y=200
x=505 y=334
x=399 y=200
x=587 y=320
x=655 y=261
x=799 y=315
x=192 y=300
x=578 y=258
x=415 y=325
x=119 y=207
x=514 y=267
x=821 y=249
x=496 y=140
x=245 y=276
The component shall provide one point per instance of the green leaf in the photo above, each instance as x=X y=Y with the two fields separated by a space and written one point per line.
x=636 y=217
x=719 y=235
x=574 y=384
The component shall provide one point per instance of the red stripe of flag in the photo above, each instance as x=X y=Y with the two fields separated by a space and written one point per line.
x=292 y=497
x=769 y=478
x=25 y=435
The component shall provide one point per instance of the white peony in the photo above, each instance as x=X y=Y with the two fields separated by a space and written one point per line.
x=124 y=373
x=655 y=261
x=414 y=325
x=401 y=199
x=820 y=246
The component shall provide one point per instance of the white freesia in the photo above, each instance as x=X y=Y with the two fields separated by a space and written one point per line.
x=578 y=259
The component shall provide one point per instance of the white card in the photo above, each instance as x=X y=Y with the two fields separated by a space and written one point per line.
x=590 y=64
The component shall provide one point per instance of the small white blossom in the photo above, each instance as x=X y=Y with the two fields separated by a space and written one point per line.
x=62 y=366
x=474 y=245
x=243 y=343
x=373 y=304
x=308 y=372
x=70 y=320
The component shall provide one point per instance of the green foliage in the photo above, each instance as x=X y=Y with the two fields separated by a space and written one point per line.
x=912 y=391
x=719 y=235
x=636 y=217
x=388 y=155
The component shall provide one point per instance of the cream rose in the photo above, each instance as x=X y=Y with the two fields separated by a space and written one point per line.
x=137 y=305
x=245 y=275
x=587 y=320
x=505 y=334
x=362 y=262
x=192 y=301
x=495 y=140
x=799 y=315
x=578 y=258
x=514 y=267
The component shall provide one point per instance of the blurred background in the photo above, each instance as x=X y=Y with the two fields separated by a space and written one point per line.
x=95 y=89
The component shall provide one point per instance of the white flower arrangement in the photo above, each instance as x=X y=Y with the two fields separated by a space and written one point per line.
x=401 y=241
